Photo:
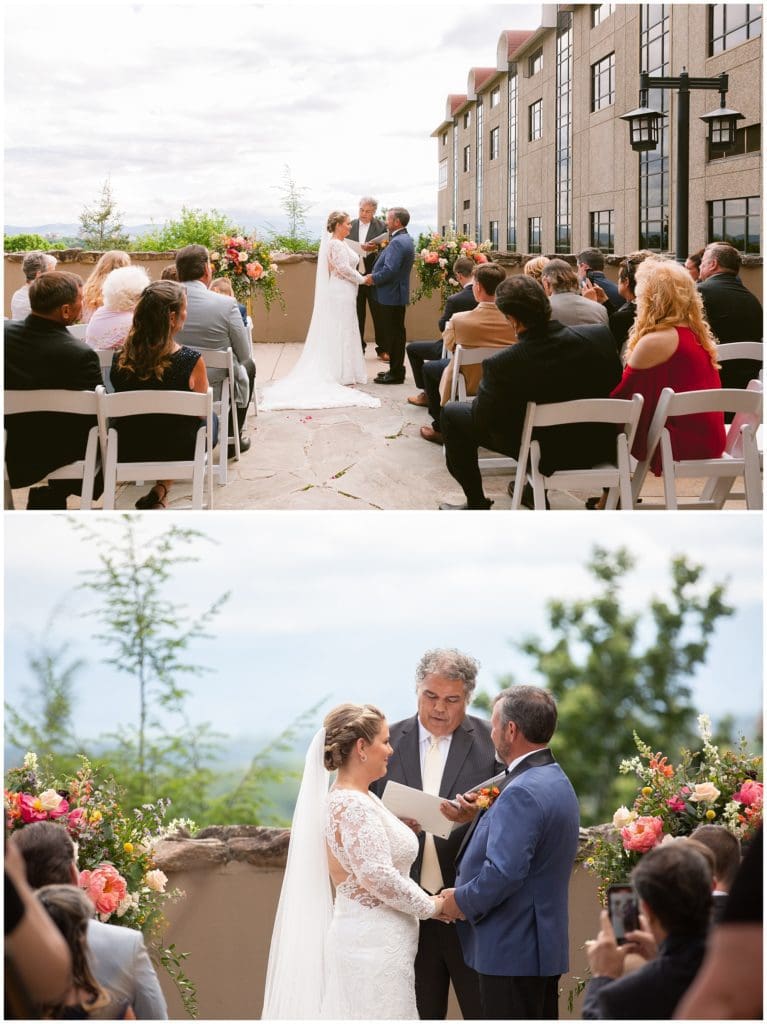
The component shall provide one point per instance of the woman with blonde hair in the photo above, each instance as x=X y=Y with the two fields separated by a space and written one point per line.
x=670 y=345
x=93 y=291
x=534 y=267
x=109 y=325
x=356 y=954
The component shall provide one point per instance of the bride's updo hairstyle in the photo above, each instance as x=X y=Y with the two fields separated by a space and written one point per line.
x=345 y=725
x=336 y=217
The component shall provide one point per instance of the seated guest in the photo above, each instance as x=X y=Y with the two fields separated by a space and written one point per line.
x=549 y=363
x=117 y=956
x=152 y=359
x=41 y=353
x=673 y=884
x=169 y=273
x=71 y=910
x=591 y=267
x=692 y=264
x=482 y=327
x=214 y=322
x=93 y=292
x=726 y=850
x=33 y=265
x=419 y=351
x=568 y=307
x=732 y=311
x=109 y=325
x=223 y=286
x=534 y=267
x=670 y=345
x=622 y=320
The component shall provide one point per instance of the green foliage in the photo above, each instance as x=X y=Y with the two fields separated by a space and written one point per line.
x=172 y=959
x=294 y=205
x=614 y=672
x=27 y=243
x=101 y=226
x=285 y=243
x=193 y=227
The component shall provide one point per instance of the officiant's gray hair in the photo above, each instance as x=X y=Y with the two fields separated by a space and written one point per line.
x=450 y=663
x=369 y=201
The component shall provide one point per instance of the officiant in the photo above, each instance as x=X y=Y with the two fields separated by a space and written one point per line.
x=441 y=750
x=368 y=226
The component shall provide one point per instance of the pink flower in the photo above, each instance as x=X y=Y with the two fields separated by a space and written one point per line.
x=676 y=803
x=105 y=887
x=76 y=818
x=432 y=257
x=32 y=809
x=641 y=835
x=254 y=270
x=750 y=793
x=479 y=257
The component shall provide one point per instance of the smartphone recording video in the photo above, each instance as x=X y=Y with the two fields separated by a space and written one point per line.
x=623 y=908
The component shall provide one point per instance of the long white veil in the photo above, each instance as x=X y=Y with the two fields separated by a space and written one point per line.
x=295 y=977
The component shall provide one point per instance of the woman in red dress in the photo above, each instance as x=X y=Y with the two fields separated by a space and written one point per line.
x=670 y=345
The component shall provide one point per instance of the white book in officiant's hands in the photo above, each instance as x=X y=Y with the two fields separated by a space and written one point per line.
x=358 y=247
x=406 y=802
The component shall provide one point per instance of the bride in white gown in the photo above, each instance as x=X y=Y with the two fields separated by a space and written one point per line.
x=332 y=357
x=352 y=959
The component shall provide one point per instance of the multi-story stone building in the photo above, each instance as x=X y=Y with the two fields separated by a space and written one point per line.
x=534 y=156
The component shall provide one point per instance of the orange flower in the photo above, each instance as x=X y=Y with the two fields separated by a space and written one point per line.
x=658 y=764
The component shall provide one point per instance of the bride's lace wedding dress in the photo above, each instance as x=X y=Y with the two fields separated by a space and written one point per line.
x=332 y=357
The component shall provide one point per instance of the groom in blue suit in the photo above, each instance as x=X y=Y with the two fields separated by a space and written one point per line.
x=391 y=277
x=514 y=867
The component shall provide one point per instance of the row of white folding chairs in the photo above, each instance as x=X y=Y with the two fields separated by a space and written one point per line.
x=102 y=449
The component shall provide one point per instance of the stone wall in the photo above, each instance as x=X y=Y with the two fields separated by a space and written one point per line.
x=232 y=877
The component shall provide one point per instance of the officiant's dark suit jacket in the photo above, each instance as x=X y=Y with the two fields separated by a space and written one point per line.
x=470 y=760
x=40 y=353
x=377 y=227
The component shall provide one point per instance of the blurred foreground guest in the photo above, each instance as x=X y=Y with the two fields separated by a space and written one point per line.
x=151 y=359
x=673 y=884
x=109 y=325
x=725 y=848
x=93 y=292
x=223 y=286
x=33 y=265
x=729 y=984
x=71 y=910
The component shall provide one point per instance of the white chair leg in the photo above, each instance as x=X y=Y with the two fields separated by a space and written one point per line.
x=667 y=466
x=110 y=471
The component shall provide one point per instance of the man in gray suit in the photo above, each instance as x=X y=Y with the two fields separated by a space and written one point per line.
x=117 y=955
x=213 y=321
x=560 y=282
x=442 y=749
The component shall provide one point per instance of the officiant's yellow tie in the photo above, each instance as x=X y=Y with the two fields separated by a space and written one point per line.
x=431 y=874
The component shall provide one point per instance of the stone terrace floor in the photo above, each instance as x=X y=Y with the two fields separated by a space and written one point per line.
x=349 y=458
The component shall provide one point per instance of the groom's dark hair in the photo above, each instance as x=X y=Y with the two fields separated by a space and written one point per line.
x=401 y=215
x=532 y=709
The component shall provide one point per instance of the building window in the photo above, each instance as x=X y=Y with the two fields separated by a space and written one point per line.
x=493 y=234
x=467 y=119
x=480 y=162
x=536 y=120
x=467 y=204
x=456 y=148
x=495 y=96
x=600 y=13
x=444 y=230
x=511 y=218
x=535 y=62
x=747 y=140
x=563 y=165
x=736 y=222
x=444 y=138
x=495 y=143
x=534 y=235
x=467 y=158
x=654 y=176
x=467 y=229
x=442 y=174
x=730 y=24
x=602 y=230
x=603 y=83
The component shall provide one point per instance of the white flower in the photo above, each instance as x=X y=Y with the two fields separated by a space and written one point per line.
x=49 y=800
x=215 y=256
x=156 y=880
x=623 y=816
x=129 y=903
x=243 y=257
x=30 y=762
x=705 y=792
x=670 y=839
x=704 y=727
x=630 y=764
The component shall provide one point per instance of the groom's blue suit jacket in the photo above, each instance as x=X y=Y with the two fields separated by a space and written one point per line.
x=514 y=873
x=391 y=273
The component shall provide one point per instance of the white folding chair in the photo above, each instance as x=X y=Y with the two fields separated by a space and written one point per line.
x=105 y=361
x=81 y=403
x=222 y=359
x=741 y=350
x=78 y=331
x=467 y=357
x=623 y=413
x=736 y=460
x=198 y=469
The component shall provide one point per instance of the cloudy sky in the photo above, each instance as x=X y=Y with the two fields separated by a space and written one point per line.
x=342 y=606
x=204 y=105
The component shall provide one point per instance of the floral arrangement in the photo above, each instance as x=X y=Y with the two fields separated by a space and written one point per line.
x=435 y=257
x=249 y=265
x=707 y=786
x=114 y=850
x=487 y=797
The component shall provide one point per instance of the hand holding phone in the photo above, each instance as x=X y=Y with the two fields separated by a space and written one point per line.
x=623 y=908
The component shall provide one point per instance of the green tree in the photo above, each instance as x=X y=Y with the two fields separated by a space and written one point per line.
x=614 y=671
x=192 y=227
x=295 y=208
x=100 y=224
x=26 y=243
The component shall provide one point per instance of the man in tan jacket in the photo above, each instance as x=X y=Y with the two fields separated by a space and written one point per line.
x=483 y=327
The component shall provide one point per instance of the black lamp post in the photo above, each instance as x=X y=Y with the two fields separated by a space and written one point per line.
x=644 y=124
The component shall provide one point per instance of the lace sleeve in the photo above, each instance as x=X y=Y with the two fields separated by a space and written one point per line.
x=339 y=264
x=360 y=843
